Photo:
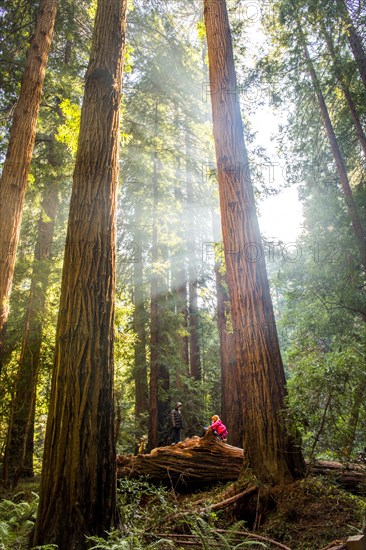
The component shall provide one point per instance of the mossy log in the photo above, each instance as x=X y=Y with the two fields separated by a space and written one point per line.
x=194 y=461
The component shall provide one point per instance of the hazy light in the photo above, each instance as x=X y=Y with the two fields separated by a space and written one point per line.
x=280 y=216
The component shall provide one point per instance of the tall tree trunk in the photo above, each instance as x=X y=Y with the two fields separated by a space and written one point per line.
x=354 y=40
x=179 y=277
x=140 y=368
x=337 y=155
x=19 y=446
x=344 y=87
x=269 y=449
x=231 y=412
x=165 y=351
x=194 y=348
x=182 y=310
x=159 y=373
x=78 y=484
x=16 y=168
x=154 y=309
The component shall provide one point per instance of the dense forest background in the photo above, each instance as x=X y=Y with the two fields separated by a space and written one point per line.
x=173 y=328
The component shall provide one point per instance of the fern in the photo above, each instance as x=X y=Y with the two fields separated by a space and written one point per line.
x=209 y=537
x=16 y=522
x=132 y=542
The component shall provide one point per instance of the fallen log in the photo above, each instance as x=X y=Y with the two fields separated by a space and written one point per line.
x=199 y=461
x=194 y=461
x=351 y=477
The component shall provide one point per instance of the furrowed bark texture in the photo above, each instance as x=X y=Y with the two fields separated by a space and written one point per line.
x=78 y=485
x=231 y=413
x=269 y=449
x=194 y=462
x=16 y=168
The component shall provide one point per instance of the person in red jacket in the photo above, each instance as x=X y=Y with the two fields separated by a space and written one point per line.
x=218 y=427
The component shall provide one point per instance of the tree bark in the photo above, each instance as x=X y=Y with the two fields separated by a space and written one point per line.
x=194 y=345
x=140 y=362
x=351 y=477
x=337 y=155
x=231 y=413
x=182 y=310
x=269 y=449
x=154 y=309
x=165 y=352
x=180 y=280
x=16 y=168
x=78 y=484
x=19 y=446
x=195 y=461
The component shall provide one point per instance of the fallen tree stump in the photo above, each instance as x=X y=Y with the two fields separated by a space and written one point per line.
x=194 y=461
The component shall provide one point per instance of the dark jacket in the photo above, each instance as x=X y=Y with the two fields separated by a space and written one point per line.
x=177 y=419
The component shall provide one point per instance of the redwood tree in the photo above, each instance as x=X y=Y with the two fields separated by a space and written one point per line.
x=13 y=181
x=78 y=484
x=18 y=455
x=231 y=413
x=343 y=84
x=354 y=39
x=194 y=343
x=269 y=449
x=140 y=368
x=154 y=307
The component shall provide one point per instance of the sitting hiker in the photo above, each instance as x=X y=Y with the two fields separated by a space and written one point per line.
x=218 y=427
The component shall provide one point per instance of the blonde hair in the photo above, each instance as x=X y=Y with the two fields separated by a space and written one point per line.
x=215 y=417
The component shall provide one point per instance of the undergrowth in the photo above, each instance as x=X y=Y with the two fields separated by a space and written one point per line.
x=17 y=517
x=305 y=515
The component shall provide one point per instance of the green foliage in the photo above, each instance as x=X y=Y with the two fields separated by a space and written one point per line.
x=226 y=541
x=321 y=510
x=142 y=506
x=320 y=298
x=16 y=522
x=68 y=132
x=145 y=509
x=116 y=542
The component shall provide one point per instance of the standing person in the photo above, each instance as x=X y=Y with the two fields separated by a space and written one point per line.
x=177 y=422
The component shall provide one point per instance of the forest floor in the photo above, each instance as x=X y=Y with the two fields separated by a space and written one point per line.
x=311 y=514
